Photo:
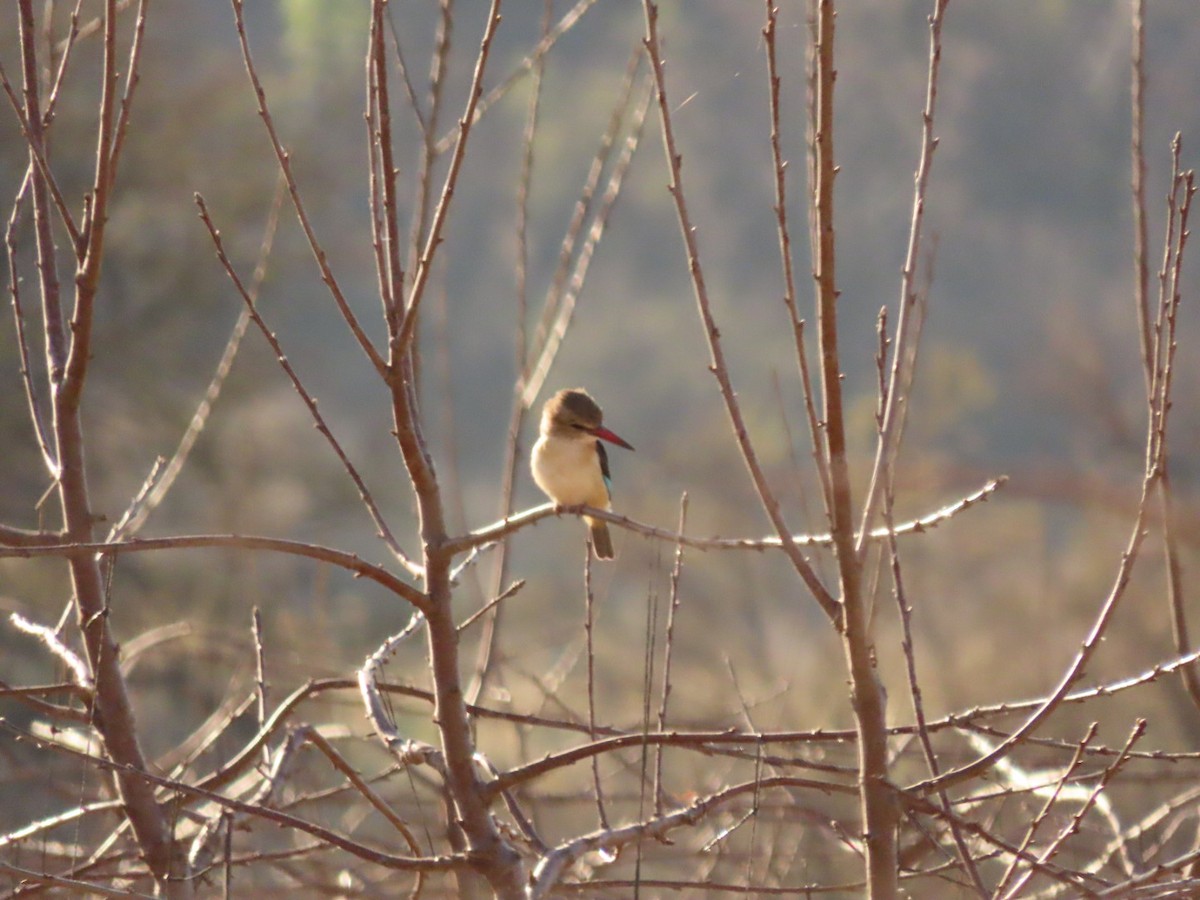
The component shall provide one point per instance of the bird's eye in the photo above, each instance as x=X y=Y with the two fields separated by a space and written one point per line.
x=580 y=427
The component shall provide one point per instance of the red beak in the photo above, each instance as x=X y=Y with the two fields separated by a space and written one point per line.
x=603 y=433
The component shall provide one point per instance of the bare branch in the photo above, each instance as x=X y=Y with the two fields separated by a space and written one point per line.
x=408 y=752
x=32 y=122
x=364 y=494
x=668 y=645
x=160 y=484
x=132 y=74
x=85 y=887
x=552 y=867
x=554 y=761
x=1051 y=796
x=31 y=697
x=285 y=166
x=785 y=255
x=1158 y=366
x=338 y=558
x=54 y=644
x=1141 y=266
x=40 y=431
x=498 y=530
x=912 y=300
x=1095 y=798
x=362 y=851
x=402 y=339
x=566 y=284
x=561 y=27
x=910 y=661
x=589 y=620
x=719 y=369
x=383 y=172
x=315 y=738
x=20 y=537
x=1087 y=649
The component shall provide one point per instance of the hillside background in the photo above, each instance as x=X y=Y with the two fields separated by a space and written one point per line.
x=1030 y=364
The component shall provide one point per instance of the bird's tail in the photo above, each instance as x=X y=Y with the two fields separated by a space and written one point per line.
x=601 y=541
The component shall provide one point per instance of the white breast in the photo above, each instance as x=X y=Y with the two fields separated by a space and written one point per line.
x=569 y=471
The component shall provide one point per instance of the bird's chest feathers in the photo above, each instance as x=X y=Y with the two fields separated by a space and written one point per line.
x=569 y=471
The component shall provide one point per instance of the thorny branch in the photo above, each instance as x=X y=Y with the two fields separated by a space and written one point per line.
x=159 y=816
x=498 y=530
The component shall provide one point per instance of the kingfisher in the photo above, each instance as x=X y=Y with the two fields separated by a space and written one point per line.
x=569 y=461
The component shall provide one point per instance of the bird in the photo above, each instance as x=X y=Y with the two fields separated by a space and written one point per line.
x=569 y=461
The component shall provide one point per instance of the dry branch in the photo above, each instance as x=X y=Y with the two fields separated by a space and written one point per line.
x=825 y=600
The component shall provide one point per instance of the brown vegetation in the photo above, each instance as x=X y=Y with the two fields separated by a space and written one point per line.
x=486 y=745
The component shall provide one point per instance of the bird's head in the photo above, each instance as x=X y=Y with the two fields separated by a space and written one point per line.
x=574 y=415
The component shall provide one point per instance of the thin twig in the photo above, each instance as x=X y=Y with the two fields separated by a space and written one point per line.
x=1140 y=833
x=407 y=751
x=65 y=655
x=14 y=288
x=552 y=866
x=1141 y=265
x=430 y=152
x=1072 y=827
x=32 y=122
x=132 y=75
x=490 y=533
x=31 y=696
x=589 y=629
x=260 y=674
x=508 y=592
x=1051 y=799
x=720 y=370
x=668 y=646
x=1073 y=880
x=21 y=537
x=80 y=888
x=912 y=300
x=285 y=166
x=374 y=167
x=49 y=823
x=390 y=269
x=43 y=181
x=485 y=654
x=361 y=851
x=314 y=737
x=338 y=558
x=1084 y=655
x=785 y=254
x=1160 y=355
x=910 y=661
x=558 y=303
x=649 y=638
x=403 y=339
x=137 y=514
x=310 y=402
x=569 y=19
x=965 y=718
x=554 y=761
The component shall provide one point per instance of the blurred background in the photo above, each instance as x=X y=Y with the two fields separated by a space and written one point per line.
x=1029 y=365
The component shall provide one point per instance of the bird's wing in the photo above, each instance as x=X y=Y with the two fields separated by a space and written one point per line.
x=603 y=454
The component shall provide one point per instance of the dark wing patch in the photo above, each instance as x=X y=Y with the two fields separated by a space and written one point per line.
x=603 y=454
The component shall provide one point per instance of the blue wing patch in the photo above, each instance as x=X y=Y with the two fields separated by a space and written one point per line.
x=603 y=454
